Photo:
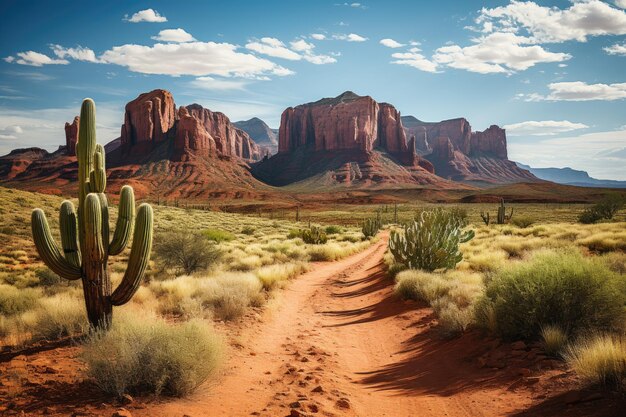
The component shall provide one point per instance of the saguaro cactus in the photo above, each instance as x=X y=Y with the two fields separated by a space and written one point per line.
x=502 y=216
x=86 y=243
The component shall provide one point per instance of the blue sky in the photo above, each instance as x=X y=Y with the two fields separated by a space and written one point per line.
x=552 y=72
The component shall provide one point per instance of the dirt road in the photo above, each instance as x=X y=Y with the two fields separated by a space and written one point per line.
x=339 y=343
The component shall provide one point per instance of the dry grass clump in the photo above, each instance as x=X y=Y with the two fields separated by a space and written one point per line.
x=145 y=354
x=274 y=276
x=605 y=241
x=554 y=339
x=17 y=300
x=333 y=251
x=599 y=360
x=452 y=295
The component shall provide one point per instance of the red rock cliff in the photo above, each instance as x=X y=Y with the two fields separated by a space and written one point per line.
x=148 y=120
x=71 y=136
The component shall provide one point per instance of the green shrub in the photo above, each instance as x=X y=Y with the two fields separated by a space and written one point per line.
x=141 y=354
x=48 y=278
x=523 y=221
x=314 y=235
x=248 y=230
x=554 y=288
x=217 y=235
x=589 y=216
x=605 y=209
x=332 y=230
x=431 y=242
x=15 y=301
x=294 y=234
x=185 y=251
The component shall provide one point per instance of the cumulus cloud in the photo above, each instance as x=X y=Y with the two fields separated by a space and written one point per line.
x=174 y=35
x=147 y=15
x=10 y=132
x=352 y=5
x=318 y=36
x=616 y=49
x=301 y=45
x=544 y=24
x=496 y=53
x=390 y=43
x=192 y=58
x=351 y=37
x=273 y=47
x=79 y=53
x=621 y=3
x=35 y=59
x=542 y=128
x=414 y=59
x=580 y=91
x=306 y=49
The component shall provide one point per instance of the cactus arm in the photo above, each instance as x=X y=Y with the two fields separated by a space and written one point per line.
x=125 y=218
x=98 y=177
x=93 y=229
x=69 y=234
x=49 y=250
x=104 y=210
x=138 y=259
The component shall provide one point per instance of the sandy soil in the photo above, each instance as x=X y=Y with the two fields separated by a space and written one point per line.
x=338 y=343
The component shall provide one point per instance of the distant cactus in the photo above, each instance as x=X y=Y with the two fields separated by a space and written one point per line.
x=86 y=243
x=371 y=227
x=430 y=242
x=485 y=217
x=502 y=217
x=314 y=235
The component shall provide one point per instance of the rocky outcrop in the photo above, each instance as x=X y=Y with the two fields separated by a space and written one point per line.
x=148 y=120
x=191 y=136
x=71 y=136
x=348 y=139
x=490 y=142
x=230 y=141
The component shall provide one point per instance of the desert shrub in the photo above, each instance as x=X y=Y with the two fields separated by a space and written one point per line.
x=272 y=276
x=553 y=339
x=248 y=230
x=185 y=251
x=17 y=300
x=315 y=236
x=523 y=221
x=8 y=230
x=294 y=234
x=218 y=235
x=229 y=295
x=554 y=288
x=430 y=242
x=599 y=360
x=145 y=354
x=48 y=278
x=605 y=209
x=332 y=229
x=58 y=317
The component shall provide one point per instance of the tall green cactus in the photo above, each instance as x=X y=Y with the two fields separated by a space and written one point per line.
x=502 y=216
x=86 y=243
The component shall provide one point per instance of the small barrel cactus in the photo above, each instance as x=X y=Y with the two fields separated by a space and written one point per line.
x=371 y=227
x=86 y=243
x=430 y=242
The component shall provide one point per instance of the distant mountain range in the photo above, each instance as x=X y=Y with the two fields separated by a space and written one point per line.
x=261 y=133
x=571 y=176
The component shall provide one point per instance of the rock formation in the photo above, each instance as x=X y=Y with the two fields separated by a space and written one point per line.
x=346 y=139
x=71 y=136
x=261 y=133
x=191 y=136
x=148 y=120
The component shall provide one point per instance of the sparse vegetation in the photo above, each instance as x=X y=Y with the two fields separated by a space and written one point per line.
x=605 y=209
x=145 y=354
x=218 y=235
x=599 y=360
x=554 y=339
x=185 y=251
x=314 y=235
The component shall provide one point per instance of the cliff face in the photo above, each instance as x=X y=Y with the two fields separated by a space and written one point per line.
x=152 y=118
x=261 y=133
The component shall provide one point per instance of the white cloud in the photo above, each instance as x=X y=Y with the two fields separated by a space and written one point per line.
x=10 y=132
x=191 y=58
x=147 y=15
x=273 y=47
x=351 y=37
x=318 y=36
x=306 y=48
x=301 y=45
x=353 y=5
x=621 y=3
x=174 y=35
x=415 y=60
x=551 y=24
x=616 y=49
x=542 y=128
x=390 y=43
x=582 y=153
x=580 y=91
x=319 y=59
x=35 y=59
x=210 y=83
x=79 y=53
x=496 y=53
